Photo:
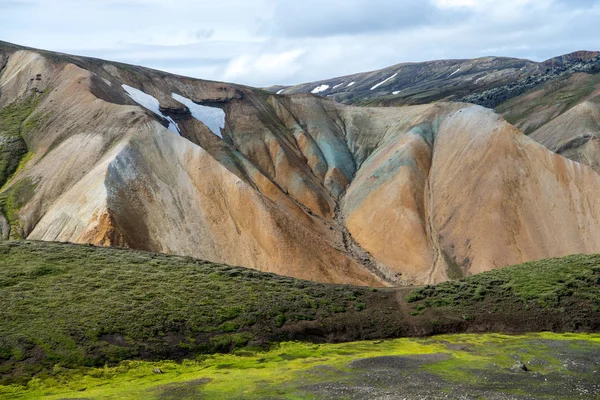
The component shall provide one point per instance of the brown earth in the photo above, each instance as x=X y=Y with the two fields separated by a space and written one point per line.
x=298 y=185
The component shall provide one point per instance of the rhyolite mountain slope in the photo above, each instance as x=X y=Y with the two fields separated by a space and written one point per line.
x=119 y=155
x=555 y=101
x=563 y=115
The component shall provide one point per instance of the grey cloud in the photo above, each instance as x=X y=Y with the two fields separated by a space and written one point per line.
x=204 y=33
x=578 y=3
x=205 y=39
x=6 y=4
x=314 y=18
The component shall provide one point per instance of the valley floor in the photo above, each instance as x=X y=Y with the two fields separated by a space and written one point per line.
x=485 y=366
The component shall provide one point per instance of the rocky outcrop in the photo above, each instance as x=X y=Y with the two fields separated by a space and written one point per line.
x=295 y=185
x=588 y=62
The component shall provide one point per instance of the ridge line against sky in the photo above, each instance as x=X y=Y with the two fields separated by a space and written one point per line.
x=268 y=42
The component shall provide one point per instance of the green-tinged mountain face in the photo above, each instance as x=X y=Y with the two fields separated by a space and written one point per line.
x=81 y=306
x=563 y=115
x=118 y=155
x=555 y=102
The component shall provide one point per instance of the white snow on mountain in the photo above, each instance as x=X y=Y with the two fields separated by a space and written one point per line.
x=150 y=103
x=454 y=72
x=384 y=81
x=212 y=117
x=319 y=89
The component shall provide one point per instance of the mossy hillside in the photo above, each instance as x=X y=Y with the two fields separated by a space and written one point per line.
x=77 y=307
x=80 y=305
x=12 y=145
x=545 y=283
x=11 y=201
x=290 y=370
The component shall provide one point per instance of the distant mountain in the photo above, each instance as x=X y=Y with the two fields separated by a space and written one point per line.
x=556 y=102
x=563 y=114
x=93 y=151
x=477 y=80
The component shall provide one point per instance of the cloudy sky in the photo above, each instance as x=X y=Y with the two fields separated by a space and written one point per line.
x=265 y=42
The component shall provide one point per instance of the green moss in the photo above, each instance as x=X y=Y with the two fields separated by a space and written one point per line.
x=11 y=202
x=24 y=160
x=291 y=369
x=12 y=145
x=81 y=305
x=543 y=282
x=280 y=320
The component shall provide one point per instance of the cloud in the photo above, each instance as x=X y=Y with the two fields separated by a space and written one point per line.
x=6 y=4
x=275 y=66
x=173 y=38
x=266 y=42
x=314 y=18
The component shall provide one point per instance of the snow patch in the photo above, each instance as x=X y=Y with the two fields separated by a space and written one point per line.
x=350 y=84
x=337 y=86
x=280 y=91
x=150 y=103
x=319 y=89
x=480 y=79
x=396 y=92
x=384 y=81
x=454 y=72
x=212 y=117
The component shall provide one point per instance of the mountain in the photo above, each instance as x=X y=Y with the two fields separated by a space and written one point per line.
x=563 y=115
x=418 y=83
x=555 y=101
x=485 y=81
x=98 y=152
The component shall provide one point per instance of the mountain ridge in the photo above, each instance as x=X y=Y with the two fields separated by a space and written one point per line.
x=297 y=185
x=385 y=87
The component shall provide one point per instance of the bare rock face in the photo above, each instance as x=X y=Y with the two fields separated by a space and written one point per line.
x=295 y=185
x=556 y=102
x=564 y=116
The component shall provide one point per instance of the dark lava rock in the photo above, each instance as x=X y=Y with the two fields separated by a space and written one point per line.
x=519 y=366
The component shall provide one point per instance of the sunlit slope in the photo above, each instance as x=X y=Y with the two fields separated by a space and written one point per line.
x=110 y=154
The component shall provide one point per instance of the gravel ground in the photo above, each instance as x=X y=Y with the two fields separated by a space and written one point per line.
x=399 y=377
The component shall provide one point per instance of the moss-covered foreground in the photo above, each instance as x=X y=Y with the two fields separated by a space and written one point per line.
x=476 y=366
x=76 y=307
x=86 y=306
